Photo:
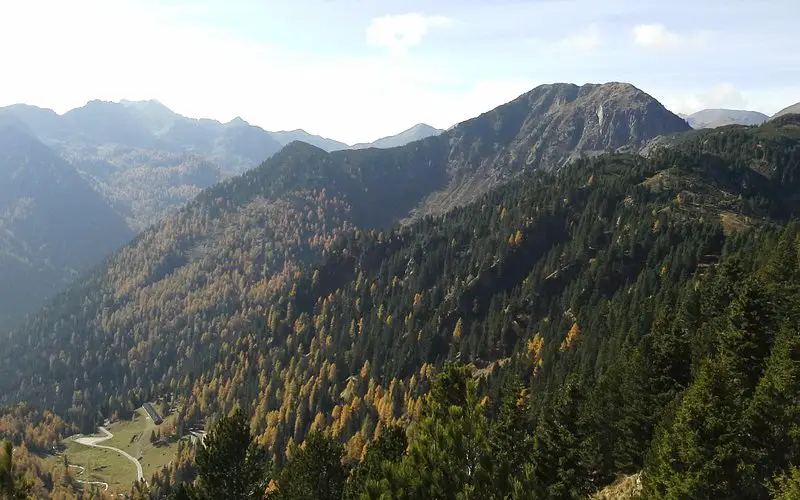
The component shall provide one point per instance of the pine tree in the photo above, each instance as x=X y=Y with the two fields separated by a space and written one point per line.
x=384 y=454
x=449 y=454
x=314 y=472
x=772 y=419
x=787 y=486
x=697 y=455
x=231 y=465
x=559 y=464
x=511 y=438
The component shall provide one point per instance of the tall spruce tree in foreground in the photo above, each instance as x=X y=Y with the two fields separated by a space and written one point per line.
x=314 y=472
x=449 y=453
x=383 y=455
x=230 y=465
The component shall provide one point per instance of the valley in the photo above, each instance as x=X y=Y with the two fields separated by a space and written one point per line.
x=322 y=313
x=122 y=452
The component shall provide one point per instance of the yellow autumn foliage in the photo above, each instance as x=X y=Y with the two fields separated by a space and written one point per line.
x=572 y=338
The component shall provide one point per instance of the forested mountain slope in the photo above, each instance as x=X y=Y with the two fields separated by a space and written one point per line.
x=647 y=306
x=232 y=275
x=288 y=291
x=53 y=226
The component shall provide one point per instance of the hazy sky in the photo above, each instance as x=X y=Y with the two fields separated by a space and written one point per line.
x=355 y=70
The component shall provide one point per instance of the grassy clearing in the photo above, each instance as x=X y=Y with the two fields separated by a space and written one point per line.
x=133 y=436
x=100 y=465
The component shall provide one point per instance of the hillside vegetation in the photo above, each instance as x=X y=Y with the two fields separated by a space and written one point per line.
x=646 y=306
x=53 y=226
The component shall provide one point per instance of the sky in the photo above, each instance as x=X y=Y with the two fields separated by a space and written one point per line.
x=356 y=70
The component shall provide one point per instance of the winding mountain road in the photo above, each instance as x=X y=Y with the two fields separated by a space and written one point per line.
x=82 y=470
x=93 y=441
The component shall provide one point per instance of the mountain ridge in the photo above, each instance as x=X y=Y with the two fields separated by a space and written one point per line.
x=375 y=188
x=712 y=118
x=411 y=134
x=793 y=109
x=287 y=136
x=53 y=225
x=303 y=198
x=146 y=158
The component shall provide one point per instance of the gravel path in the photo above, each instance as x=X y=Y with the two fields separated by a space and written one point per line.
x=94 y=440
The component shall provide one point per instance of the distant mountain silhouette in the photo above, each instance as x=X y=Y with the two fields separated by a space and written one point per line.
x=712 y=118
x=286 y=136
x=415 y=133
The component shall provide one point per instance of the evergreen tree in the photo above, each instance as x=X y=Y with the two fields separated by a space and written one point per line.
x=697 y=454
x=231 y=465
x=314 y=472
x=560 y=453
x=449 y=454
x=787 y=486
x=511 y=438
x=772 y=420
x=369 y=477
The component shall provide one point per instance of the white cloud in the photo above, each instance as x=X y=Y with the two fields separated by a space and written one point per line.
x=723 y=95
x=584 y=42
x=400 y=32
x=574 y=45
x=112 y=50
x=657 y=36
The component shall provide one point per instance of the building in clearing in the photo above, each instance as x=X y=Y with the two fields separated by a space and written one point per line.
x=152 y=413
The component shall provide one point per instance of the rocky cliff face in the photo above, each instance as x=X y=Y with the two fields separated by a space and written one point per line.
x=546 y=128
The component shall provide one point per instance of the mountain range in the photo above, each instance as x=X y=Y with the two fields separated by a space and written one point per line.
x=272 y=222
x=147 y=160
x=132 y=153
x=603 y=307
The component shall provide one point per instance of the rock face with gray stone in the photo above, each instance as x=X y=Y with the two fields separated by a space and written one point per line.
x=546 y=128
